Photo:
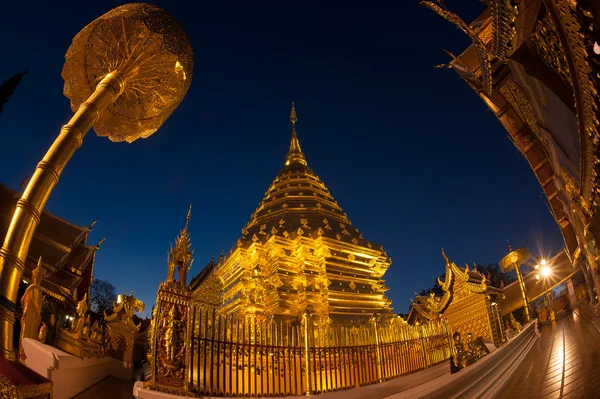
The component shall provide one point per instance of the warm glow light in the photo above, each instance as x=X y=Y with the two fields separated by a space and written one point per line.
x=544 y=261
x=537 y=267
x=545 y=271
x=537 y=276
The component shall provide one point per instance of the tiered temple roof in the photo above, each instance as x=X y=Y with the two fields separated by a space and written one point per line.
x=66 y=257
x=299 y=203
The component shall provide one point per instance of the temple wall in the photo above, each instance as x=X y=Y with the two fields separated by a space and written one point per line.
x=471 y=315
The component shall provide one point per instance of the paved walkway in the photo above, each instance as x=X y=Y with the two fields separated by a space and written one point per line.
x=110 y=387
x=564 y=362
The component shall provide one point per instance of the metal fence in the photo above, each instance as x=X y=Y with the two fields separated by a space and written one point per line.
x=247 y=357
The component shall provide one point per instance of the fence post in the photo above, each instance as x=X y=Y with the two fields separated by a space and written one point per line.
x=379 y=373
x=423 y=345
x=450 y=339
x=305 y=320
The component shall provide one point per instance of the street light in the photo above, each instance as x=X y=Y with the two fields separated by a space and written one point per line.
x=544 y=272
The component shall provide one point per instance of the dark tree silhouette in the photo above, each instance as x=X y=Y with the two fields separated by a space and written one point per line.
x=8 y=88
x=495 y=276
x=102 y=296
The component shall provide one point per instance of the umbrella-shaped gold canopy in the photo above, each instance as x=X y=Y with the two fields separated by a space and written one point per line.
x=150 y=51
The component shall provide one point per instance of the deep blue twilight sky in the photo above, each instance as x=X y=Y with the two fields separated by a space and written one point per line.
x=410 y=152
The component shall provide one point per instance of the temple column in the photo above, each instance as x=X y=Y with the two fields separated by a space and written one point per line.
x=572 y=296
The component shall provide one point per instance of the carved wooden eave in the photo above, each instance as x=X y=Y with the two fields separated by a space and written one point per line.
x=507 y=100
x=484 y=55
x=577 y=45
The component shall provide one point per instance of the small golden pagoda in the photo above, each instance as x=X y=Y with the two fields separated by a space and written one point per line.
x=468 y=304
x=301 y=252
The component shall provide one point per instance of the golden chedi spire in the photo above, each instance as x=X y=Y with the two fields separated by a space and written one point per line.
x=295 y=154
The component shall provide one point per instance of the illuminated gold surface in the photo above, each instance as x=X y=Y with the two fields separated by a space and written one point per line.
x=31 y=302
x=514 y=260
x=120 y=329
x=84 y=338
x=301 y=252
x=149 y=50
x=255 y=357
x=172 y=324
x=466 y=304
x=137 y=53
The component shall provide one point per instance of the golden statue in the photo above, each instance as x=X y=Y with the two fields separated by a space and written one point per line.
x=43 y=333
x=79 y=323
x=515 y=324
x=32 y=306
x=172 y=334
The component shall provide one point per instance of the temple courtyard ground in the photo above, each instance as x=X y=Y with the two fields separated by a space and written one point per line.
x=563 y=363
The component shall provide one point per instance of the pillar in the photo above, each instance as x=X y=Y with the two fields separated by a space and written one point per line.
x=572 y=297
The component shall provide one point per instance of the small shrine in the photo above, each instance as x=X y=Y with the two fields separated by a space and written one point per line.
x=468 y=304
x=170 y=334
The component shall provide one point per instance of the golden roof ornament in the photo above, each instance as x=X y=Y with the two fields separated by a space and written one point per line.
x=295 y=154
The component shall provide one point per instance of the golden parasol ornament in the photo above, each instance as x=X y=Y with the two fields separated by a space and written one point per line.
x=125 y=73
x=514 y=259
x=149 y=51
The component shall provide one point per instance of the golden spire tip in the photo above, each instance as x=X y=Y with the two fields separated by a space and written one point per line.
x=189 y=216
x=293 y=116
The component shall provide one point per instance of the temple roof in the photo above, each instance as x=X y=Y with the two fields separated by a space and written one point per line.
x=66 y=257
x=458 y=284
x=299 y=203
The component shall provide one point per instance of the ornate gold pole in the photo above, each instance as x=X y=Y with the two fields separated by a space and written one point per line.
x=29 y=207
x=136 y=50
x=523 y=294
x=514 y=260
x=378 y=349
x=305 y=317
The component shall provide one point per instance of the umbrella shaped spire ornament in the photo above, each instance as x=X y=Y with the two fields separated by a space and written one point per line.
x=124 y=73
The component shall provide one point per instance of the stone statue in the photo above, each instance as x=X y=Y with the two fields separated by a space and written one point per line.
x=32 y=305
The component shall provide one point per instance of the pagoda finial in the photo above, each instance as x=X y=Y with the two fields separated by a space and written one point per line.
x=295 y=154
x=293 y=116
x=189 y=216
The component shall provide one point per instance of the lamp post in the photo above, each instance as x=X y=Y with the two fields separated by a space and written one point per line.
x=544 y=272
x=124 y=73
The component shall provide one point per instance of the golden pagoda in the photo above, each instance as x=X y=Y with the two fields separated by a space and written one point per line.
x=300 y=252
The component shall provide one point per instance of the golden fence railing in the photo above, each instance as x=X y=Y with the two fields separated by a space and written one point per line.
x=254 y=357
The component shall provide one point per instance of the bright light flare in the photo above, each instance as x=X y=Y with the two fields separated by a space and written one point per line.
x=546 y=271
x=544 y=262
